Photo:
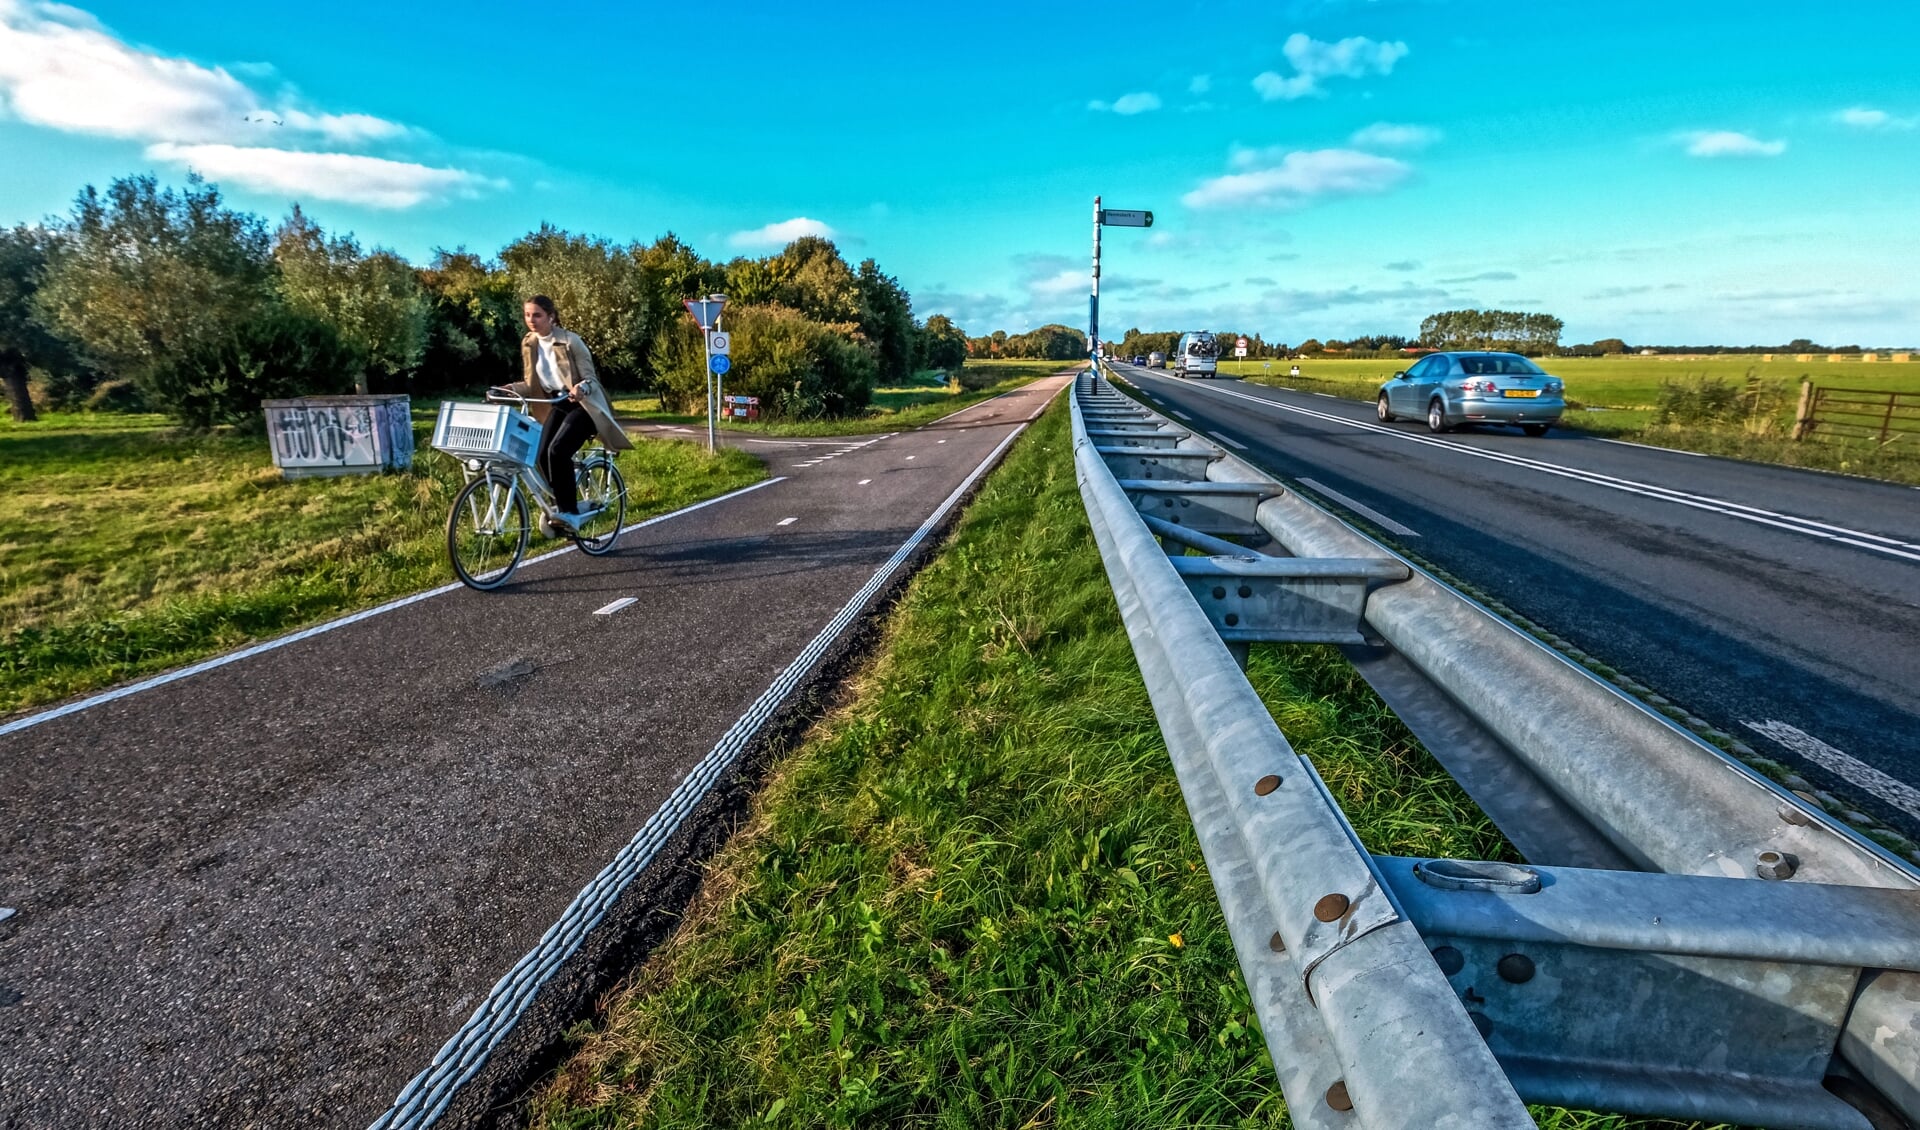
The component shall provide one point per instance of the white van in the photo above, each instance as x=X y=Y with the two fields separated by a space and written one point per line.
x=1197 y=355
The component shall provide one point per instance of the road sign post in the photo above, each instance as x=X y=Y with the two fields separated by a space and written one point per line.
x=706 y=314
x=1106 y=217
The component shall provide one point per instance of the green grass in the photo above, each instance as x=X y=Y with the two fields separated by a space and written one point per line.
x=972 y=898
x=1617 y=396
x=892 y=409
x=127 y=548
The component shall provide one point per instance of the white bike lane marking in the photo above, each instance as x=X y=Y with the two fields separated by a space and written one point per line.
x=614 y=606
x=423 y=1100
x=162 y=680
x=1860 y=539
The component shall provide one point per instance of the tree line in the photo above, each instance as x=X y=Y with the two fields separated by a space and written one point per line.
x=164 y=299
x=1051 y=342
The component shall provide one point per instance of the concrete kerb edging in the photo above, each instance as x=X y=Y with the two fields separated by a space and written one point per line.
x=1408 y=1053
x=1645 y=782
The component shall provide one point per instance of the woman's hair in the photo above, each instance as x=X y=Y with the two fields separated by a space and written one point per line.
x=546 y=304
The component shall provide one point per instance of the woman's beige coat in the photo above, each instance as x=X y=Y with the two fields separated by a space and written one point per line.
x=575 y=365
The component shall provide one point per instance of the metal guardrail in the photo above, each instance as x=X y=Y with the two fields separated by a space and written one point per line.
x=1441 y=992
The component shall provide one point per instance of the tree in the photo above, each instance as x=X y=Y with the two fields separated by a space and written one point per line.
x=149 y=282
x=673 y=272
x=598 y=288
x=942 y=345
x=25 y=343
x=1311 y=345
x=372 y=300
x=799 y=368
x=1491 y=329
x=473 y=324
x=886 y=321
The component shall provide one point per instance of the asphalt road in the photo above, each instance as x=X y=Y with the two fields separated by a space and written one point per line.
x=1780 y=605
x=266 y=893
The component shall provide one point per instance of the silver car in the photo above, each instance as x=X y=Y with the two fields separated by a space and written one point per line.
x=1451 y=389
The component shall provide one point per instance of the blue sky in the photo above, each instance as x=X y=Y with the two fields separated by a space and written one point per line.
x=1672 y=172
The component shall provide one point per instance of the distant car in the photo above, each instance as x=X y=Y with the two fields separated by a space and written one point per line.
x=1139 y=360
x=1156 y=360
x=1451 y=389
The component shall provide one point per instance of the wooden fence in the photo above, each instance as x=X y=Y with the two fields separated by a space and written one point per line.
x=1857 y=413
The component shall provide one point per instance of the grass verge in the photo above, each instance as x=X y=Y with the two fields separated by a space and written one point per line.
x=892 y=409
x=973 y=897
x=127 y=548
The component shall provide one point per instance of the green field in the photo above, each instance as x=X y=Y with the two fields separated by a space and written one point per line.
x=128 y=547
x=972 y=897
x=1627 y=382
x=1617 y=397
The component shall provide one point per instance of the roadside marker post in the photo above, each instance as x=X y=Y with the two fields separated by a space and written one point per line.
x=706 y=314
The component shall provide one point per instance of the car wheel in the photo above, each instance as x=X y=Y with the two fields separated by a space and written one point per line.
x=1386 y=416
x=1535 y=430
x=1436 y=416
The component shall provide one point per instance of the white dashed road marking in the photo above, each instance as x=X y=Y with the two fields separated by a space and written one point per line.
x=615 y=606
x=1857 y=772
x=1233 y=443
x=1184 y=416
x=863 y=482
x=1369 y=512
x=913 y=457
x=786 y=521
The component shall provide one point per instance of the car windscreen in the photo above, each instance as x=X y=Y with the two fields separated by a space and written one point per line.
x=1499 y=366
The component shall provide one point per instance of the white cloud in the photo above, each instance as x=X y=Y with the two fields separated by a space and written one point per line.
x=1728 y=143
x=350 y=178
x=1138 y=103
x=1387 y=135
x=1069 y=281
x=782 y=233
x=1271 y=179
x=1313 y=60
x=1863 y=117
x=1200 y=84
x=61 y=69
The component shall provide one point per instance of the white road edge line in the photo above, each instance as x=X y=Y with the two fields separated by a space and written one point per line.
x=104 y=697
x=1361 y=508
x=421 y=1102
x=1855 y=771
x=611 y=607
x=1808 y=527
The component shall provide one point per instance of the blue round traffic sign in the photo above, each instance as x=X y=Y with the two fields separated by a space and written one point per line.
x=720 y=363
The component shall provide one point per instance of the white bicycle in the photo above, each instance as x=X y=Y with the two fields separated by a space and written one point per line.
x=489 y=525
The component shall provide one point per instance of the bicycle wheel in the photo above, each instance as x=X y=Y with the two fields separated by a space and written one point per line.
x=600 y=486
x=487 y=531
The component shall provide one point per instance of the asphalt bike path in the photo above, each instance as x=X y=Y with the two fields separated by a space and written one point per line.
x=267 y=893
x=1780 y=605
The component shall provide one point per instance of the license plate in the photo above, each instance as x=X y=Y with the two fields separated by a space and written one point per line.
x=1520 y=392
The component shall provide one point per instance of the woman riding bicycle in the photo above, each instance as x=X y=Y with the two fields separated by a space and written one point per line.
x=553 y=360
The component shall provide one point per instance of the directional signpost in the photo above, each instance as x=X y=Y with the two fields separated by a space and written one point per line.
x=1115 y=218
x=706 y=314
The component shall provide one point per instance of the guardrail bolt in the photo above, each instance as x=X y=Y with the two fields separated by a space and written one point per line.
x=1337 y=1096
x=1449 y=960
x=1515 y=968
x=1233 y=618
x=1246 y=591
x=1775 y=865
x=1277 y=943
x=1481 y=1024
x=1331 y=907
x=1266 y=784
x=1219 y=593
x=1794 y=816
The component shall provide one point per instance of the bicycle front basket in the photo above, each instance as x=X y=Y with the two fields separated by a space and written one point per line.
x=487 y=431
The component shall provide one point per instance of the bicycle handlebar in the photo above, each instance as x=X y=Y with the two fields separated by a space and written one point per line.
x=503 y=394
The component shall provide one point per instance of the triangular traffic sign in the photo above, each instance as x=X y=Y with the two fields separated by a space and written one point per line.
x=706 y=311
